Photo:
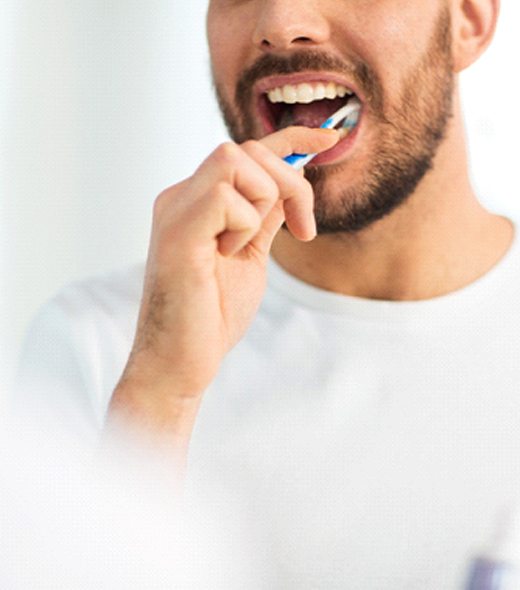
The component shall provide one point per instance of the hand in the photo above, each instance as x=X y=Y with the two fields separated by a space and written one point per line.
x=210 y=242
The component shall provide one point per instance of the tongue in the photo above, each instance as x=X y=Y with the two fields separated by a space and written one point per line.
x=310 y=115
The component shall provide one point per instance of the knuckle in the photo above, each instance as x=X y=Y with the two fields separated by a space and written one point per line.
x=226 y=153
x=170 y=211
x=165 y=197
x=160 y=202
x=254 y=147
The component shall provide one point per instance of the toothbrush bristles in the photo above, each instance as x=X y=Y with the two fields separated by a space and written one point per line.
x=347 y=116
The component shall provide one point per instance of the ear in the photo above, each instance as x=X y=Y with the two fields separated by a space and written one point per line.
x=474 y=24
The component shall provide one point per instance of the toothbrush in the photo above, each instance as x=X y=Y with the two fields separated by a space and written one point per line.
x=349 y=112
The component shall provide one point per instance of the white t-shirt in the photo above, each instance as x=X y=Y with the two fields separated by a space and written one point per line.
x=369 y=443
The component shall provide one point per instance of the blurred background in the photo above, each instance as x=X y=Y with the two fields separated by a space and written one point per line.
x=104 y=104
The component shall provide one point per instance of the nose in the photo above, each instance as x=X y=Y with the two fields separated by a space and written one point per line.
x=290 y=24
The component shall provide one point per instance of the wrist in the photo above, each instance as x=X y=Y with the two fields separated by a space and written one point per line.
x=154 y=412
x=161 y=378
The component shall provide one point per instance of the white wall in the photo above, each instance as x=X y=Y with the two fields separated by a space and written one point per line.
x=7 y=12
x=107 y=103
x=490 y=93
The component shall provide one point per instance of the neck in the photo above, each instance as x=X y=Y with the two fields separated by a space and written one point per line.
x=439 y=241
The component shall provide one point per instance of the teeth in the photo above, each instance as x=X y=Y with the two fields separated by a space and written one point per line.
x=319 y=92
x=304 y=93
x=331 y=90
x=344 y=132
x=290 y=94
x=307 y=93
x=276 y=95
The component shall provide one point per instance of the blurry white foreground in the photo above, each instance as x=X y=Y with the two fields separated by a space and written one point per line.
x=68 y=522
x=278 y=504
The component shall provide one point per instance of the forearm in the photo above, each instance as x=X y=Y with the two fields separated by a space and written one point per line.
x=154 y=414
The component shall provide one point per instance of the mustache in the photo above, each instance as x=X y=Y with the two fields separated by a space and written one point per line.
x=272 y=65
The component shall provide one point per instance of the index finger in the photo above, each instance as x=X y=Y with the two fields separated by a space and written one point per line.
x=301 y=140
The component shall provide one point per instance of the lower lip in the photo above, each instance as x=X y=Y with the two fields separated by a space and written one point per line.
x=340 y=150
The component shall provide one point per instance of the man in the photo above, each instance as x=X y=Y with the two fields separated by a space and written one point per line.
x=365 y=380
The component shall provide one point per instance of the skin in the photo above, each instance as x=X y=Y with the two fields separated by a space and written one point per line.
x=399 y=136
x=420 y=251
x=213 y=233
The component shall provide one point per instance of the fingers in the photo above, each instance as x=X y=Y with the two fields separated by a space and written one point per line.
x=263 y=178
x=301 y=140
x=229 y=163
x=295 y=192
x=257 y=171
x=242 y=221
x=263 y=240
x=242 y=193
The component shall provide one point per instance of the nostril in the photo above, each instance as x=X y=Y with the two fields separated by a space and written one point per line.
x=266 y=44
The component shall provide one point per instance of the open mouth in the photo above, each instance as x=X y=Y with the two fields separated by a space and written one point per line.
x=308 y=104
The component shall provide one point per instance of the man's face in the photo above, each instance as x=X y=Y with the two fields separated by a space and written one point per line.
x=394 y=54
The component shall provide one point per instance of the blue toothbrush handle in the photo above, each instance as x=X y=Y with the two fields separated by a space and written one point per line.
x=298 y=161
x=294 y=158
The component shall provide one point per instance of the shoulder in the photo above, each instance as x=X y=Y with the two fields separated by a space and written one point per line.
x=77 y=344
x=109 y=293
x=101 y=304
x=94 y=318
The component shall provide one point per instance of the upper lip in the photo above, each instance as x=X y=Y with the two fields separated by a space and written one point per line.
x=266 y=84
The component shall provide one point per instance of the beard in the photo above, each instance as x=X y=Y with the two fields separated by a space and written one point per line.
x=408 y=133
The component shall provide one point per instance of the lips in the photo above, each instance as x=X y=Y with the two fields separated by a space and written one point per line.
x=306 y=99
x=340 y=151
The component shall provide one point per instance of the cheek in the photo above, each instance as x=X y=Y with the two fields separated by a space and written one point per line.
x=224 y=45
x=217 y=49
x=392 y=36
